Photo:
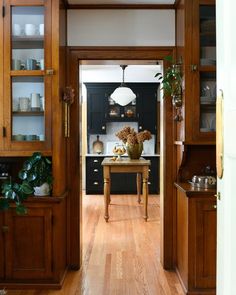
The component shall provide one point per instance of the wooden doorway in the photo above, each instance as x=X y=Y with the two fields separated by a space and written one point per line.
x=75 y=55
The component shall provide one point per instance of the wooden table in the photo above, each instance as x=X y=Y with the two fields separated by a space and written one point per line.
x=125 y=165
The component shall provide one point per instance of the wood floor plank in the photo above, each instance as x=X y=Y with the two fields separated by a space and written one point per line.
x=121 y=257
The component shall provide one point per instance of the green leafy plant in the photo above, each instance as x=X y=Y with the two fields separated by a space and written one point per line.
x=36 y=171
x=172 y=78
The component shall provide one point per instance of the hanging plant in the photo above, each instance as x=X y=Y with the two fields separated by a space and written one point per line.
x=172 y=81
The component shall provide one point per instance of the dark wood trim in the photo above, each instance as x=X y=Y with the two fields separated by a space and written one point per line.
x=176 y=4
x=121 y=6
x=65 y=3
x=75 y=55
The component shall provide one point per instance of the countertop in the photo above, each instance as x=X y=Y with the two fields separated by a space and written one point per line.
x=112 y=155
x=191 y=191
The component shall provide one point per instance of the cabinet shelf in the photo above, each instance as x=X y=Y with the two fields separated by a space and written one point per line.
x=28 y=42
x=208 y=68
x=27 y=73
x=29 y=113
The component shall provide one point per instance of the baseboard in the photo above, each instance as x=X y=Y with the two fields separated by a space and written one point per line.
x=43 y=284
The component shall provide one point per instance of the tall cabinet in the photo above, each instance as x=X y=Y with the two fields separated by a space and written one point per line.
x=195 y=147
x=33 y=247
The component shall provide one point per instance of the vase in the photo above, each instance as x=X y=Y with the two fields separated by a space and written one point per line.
x=134 y=151
x=42 y=190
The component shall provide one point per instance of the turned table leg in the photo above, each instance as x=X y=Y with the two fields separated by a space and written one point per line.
x=138 y=181
x=145 y=197
x=106 y=198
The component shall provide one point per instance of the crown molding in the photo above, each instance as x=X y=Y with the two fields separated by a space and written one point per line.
x=121 y=6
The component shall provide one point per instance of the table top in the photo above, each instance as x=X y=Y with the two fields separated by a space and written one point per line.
x=125 y=162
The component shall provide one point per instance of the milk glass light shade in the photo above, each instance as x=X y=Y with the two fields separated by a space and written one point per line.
x=123 y=95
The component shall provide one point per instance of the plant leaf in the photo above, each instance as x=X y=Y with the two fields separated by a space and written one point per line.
x=21 y=209
x=169 y=58
x=22 y=174
x=26 y=188
x=27 y=165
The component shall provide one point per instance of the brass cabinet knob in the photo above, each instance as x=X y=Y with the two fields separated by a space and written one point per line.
x=95 y=183
x=103 y=127
x=215 y=206
x=95 y=161
x=95 y=170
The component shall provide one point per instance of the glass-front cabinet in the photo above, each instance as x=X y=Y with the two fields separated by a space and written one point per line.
x=204 y=87
x=27 y=68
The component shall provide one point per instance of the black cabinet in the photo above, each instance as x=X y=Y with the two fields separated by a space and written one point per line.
x=147 y=106
x=120 y=183
x=101 y=109
x=96 y=108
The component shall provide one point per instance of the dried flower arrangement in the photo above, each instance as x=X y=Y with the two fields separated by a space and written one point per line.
x=129 y=136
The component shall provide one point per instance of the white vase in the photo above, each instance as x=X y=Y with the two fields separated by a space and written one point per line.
x=43 y=190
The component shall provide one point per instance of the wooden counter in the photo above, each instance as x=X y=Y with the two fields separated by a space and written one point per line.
x=196 y=239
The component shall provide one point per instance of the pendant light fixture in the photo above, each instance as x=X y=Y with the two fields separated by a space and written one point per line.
x=123 y=95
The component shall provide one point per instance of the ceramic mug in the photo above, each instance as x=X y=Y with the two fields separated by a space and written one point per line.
x=41 y=137
x=15 y=105
x=30 y=29
x=41 y=29
x=16 y=64
x=31 y=64
x=16 y=30
x=24 y=104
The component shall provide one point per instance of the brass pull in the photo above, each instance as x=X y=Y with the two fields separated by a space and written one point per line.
x=149 y=183
x=95 y=170
x=50 y=72
x=5 y=229
x=218 y=196
x=215 y=206
x=95 y=161
x=95 y=183
x=193 y=68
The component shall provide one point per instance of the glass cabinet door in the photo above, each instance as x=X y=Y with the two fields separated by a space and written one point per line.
x=207 y=42
x=28 y=87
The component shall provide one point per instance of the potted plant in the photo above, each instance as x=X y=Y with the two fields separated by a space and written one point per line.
x=37 y=172
x=172 y=81
x=133 y=141
x=36 y=177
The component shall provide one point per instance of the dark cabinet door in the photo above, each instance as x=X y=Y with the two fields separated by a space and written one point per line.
x=205 y=255
x=147 y=107
x=96 y=108
x=28 y=244
x=2 y=233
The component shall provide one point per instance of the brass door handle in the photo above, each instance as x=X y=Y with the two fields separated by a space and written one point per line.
x=218 y=196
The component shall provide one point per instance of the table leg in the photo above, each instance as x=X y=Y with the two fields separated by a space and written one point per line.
x=145 y=196
x=106 y=198
x=138 y=181
x=109 y=195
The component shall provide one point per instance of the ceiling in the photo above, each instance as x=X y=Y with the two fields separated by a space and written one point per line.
x=147 y=2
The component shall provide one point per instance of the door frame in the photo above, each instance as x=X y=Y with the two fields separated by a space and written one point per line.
x=74 y=55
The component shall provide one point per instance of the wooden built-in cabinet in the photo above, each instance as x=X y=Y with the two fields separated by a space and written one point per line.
x=196 y=239
x=33 y=247
x=28 y=252
x=196 y=49
x=26 y=102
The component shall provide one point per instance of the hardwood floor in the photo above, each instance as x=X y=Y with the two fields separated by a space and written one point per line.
x=121 y=257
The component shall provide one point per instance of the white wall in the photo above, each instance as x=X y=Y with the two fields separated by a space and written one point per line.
x=121 y=27
x=226 y=207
